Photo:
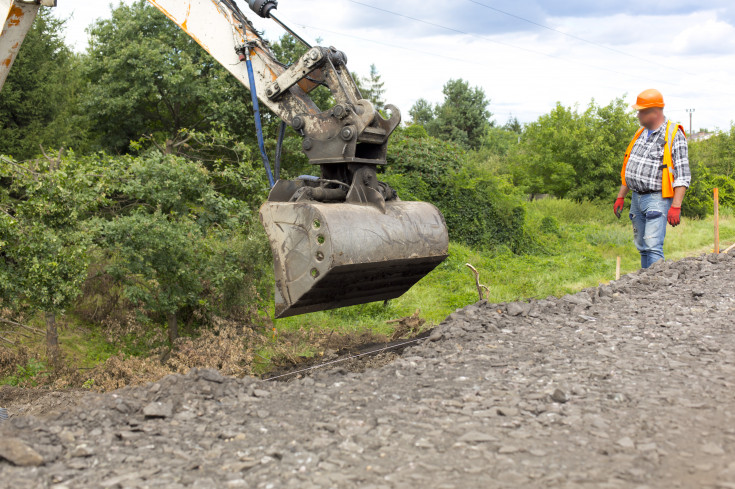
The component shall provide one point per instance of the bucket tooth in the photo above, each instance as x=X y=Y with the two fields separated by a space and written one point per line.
x=335 y=255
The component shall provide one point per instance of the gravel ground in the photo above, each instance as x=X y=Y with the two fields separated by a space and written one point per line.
x=628 y=385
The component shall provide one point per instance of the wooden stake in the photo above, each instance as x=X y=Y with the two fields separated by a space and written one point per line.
x=717 y=219
x=477 y=281
x=729 y=248
x=617 y=269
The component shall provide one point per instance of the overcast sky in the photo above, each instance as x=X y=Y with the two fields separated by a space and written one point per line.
x=526 y=54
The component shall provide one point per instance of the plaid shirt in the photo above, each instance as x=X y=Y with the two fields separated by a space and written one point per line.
x=643 y=173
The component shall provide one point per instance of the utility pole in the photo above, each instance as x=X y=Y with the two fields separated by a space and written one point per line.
x=690 y=111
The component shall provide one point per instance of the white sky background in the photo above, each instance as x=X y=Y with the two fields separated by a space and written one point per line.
x=685 y=49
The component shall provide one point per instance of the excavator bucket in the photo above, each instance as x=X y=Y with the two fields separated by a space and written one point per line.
x=329 y=255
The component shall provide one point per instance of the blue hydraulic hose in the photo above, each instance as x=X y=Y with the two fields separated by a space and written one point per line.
x=258 y=126
x=279 y=148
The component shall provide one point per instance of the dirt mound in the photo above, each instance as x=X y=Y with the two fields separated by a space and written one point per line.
x=625 y=385
x=38 y=402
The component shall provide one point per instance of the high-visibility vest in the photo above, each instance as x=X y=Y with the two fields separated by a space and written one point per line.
x=667 y=168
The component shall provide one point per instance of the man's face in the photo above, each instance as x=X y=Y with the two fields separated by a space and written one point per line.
x=650 y=118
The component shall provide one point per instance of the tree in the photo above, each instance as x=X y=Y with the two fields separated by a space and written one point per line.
x=575 y=155
x=45 y=235
x=717 y=152
x=480 y=209
x=173 y=241
x=712 y=162
x=373 y=88
x=158 y=260
x=39 y=103
x=463 y=116
x=513 y=125
x=146 y=76
x=421 y=112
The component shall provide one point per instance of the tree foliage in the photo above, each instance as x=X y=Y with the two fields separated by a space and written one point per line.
x=575 y=154
x=162 y=190
x=713 y=165
x=372 y=87
x=39 y=103
x=422 y=112
x=462 y=117
x=481 y=209
x=44 y=235
x=146 y=76
x=166 y=218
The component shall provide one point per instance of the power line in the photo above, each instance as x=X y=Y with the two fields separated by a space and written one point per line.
x=578 y=38
x=484 y=38
x=352 y=36
x=437 y=54
x=395 y=46
x=459 y=31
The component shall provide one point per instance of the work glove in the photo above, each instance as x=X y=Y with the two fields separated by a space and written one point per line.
x=674 y=216
x=618 y=207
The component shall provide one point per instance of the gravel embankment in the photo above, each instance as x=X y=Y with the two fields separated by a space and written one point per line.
x=629 y=385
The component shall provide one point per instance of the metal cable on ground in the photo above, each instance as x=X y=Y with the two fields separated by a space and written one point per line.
x=339 y=360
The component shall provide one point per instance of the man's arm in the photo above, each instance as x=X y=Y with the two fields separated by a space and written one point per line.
x=680 y=157
x=682 y=177
x=678 y=196
x=620 y=201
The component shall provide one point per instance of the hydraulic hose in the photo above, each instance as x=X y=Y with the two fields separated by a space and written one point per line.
x=279 y=148
x=258 y=125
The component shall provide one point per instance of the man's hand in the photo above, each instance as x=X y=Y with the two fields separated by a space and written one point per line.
x=674 y=216
x=618 y=207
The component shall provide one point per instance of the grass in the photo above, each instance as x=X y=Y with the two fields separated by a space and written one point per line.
x=578 y=243
x=575 y=246
x=27 y=373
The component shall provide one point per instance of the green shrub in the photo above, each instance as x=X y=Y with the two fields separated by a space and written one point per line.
x=26 y=373
x=481 y=209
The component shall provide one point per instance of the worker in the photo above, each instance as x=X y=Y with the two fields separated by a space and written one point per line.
x=656 y=169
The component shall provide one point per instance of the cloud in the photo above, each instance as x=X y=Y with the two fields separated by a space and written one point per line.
x=488 y=17
x=709 y=37
x=674 y=45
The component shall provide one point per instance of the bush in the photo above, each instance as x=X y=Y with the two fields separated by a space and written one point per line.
x=481 y=209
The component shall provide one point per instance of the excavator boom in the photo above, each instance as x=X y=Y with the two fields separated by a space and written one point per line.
x=342 y=237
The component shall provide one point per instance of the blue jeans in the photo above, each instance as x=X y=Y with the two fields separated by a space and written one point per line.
x=648 y=213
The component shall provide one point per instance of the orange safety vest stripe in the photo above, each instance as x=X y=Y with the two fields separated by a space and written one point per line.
x=667 y=174
x=627 y=154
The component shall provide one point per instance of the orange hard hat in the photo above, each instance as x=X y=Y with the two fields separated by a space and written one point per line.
x=649 y=98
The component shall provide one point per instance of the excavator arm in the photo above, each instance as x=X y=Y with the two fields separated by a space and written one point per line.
x=341 y=238
x=225 y=33
x=17 y=18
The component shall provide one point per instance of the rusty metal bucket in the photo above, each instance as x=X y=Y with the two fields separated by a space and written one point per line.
x=329 y=255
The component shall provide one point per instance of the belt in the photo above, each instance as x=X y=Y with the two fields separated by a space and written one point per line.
x=645 y=192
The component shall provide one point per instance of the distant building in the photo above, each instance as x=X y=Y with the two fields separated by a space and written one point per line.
x=701 y=136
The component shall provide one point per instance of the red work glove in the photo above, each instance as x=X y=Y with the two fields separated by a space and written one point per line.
x=674 y=216
x=618 y=207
